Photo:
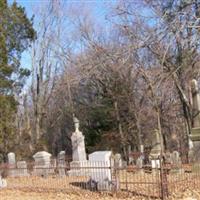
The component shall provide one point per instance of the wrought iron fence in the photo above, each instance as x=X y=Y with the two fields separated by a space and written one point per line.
x=157 y=183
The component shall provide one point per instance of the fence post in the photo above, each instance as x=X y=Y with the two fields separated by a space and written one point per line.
x=163 y=181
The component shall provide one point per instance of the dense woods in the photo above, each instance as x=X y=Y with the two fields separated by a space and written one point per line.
x=122 y=78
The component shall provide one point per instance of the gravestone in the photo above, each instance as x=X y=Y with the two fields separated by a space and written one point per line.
x=22 y=168
x=42 y=163
x=78 y=152
x=101 y=175
x=176 y=162
x=195 y=135
x=61 y=163
x=117 y=160
x=139 y=162
x=11 y=164
x=3 y=182
x=11 y=159
x=156 y=150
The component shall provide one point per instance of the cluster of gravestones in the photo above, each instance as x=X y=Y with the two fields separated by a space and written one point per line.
x=97 y=166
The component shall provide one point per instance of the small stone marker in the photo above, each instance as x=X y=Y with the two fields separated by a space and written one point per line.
x=11 y=159
x=61 y=163
x=11 y=164
x=176 y=162
x=139 y=162
x=117 y=160
x=3 y=182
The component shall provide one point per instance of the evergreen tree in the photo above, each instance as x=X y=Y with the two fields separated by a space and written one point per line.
x=16 y=35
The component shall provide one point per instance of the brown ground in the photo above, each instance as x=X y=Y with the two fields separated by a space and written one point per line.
x=28 y=195
x=55 y=188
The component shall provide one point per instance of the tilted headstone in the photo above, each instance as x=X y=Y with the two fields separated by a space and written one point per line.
x=22 y=168
x=78 y=143
x=61 y=163
x=42 y=163
x=195 y=135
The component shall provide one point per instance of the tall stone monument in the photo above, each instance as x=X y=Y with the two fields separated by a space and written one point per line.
x=156 y=150
x=78 y=152
x=195 y=135
x=78 y=143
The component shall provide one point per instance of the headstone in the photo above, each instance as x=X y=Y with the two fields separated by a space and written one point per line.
x=176 y=162
x=11 y=159
x=11 y=164
x=101 y=175
x=117 y=161
x=195 y=135
x=61 y=163
x=42 y=163
x=78 y=143
x=168 y=159
x=139 y=162
x=3 y=182
x=22 y=168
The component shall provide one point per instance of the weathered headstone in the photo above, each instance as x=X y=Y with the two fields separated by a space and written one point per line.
x=176 y=162
x=139 y=162
x=11 y=164
x=22 y=168
x=61 y=163
x=11 y=159
x=195 y=135
x=78 y=143
x=117 y=160
x=42 y=163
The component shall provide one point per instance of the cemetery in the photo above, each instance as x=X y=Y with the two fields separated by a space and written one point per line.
x=103 y=174
x=99 y=99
